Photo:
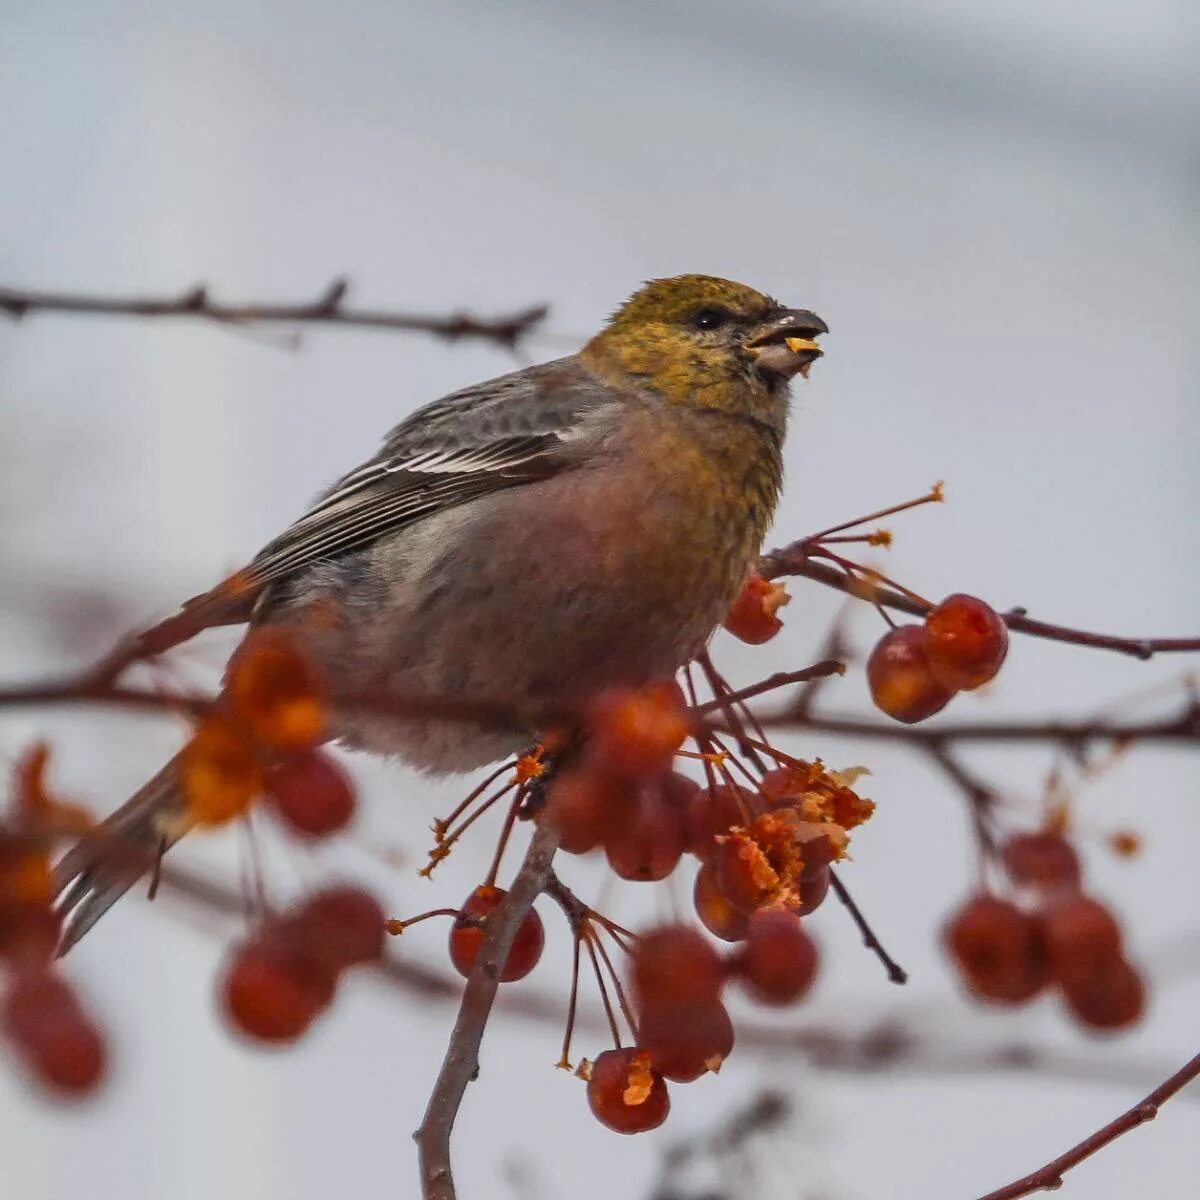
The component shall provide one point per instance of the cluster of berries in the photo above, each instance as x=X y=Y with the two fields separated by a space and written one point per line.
x=915 y=670
x=41 y=1015
x=683 y=1028
x=279 y=980
x=1051 y=935
x=262 y=742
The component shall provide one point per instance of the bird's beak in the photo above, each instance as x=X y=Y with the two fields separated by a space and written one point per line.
x=784 y=344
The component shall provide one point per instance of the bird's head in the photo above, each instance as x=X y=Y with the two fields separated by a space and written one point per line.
x=704 y=340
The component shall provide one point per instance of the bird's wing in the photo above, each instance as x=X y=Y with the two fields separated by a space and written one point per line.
x=513 y=430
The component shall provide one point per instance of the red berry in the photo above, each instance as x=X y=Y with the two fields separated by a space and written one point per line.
x=717 y=915
x=676 y=967
x=1112 y=997
x=1083 y=939
x=636 y=733
x=684 y=1044
x=53 y=1035
x=902 y=684
x=311 y=793
x=29 y=933
x=587 y=807
x=778 y=960
x=814 y=887
x=341 y=927
x=712 y=813
x=650 y=844
x=271 y=991
x=466 y=937
x=753 y=617
x=1042 y=859
x=965 y=641
x=744 y=873
x=999 y=950
x=625 y=1093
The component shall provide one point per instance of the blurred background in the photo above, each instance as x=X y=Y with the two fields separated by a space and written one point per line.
x=995 y=206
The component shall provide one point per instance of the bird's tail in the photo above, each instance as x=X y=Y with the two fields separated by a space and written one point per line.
x=95 y=873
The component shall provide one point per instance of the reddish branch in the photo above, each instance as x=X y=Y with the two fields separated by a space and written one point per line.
x=461 y=1063
x=328 y=308
x=798 y=559
x=1050 y=1177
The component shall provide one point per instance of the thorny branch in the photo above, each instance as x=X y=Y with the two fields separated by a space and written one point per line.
x=328 y=308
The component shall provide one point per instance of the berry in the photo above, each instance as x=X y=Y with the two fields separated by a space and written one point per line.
x=965 y=642
x=1082 y=939
x=717 y=915
x=683 y=1045
x=999 y=950
x=902 y=683
x=635 y=733
x=712 y=813
x=1112 y=997
x=43 y=1019
x=753 y=617
x=814 y=888
x=272 y=688
x=744 y=873
x=676 y=967
x=778 y=960
x=29 y=933
x=466 y=936
x=311 y=793
x=341 y=927
x=650 y=844
x=587 y=807
x=271 y=991
x=219 y=772
x=625 y=1093
x=1042 y=859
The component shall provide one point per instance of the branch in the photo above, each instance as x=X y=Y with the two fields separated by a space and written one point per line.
x=328 y=308
x=1050 y=1177
x=461 y=1063
x=895 y=972
x=796 y=559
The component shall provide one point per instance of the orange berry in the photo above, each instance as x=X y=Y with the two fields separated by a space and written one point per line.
x=717 y=915
x=902 y=683
x=29 y=933
x=25 y=873
x=753 y=617
x=649 y=845
x=965 y=642
x=219 y=772
x=1082 y=939
x=272 y=687
x=778 y=960
x=1042 y=859
x=712 y=813
x=587 y=806
x=1112 y=997
x=466 y=937
x=677 y=967
x=744 y=873
x=625 y=1093
x=636 y=733
x=312 y=793
x=684 y=1044
x=999 y=950
x=58 y=1042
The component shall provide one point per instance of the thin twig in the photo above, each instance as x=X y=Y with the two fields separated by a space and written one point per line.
x=1050 y=1177
x=796 y=559
x=461 y=1063
x=328 y=308
x=895 y=972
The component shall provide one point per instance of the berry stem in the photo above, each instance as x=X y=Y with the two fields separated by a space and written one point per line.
x=895 y=972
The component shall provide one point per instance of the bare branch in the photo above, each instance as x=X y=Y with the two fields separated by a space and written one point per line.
x=328 y=308
x=461 y=1063
x=1050 y=1177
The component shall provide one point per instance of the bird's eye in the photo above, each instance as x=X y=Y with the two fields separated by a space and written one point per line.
x=711 y=318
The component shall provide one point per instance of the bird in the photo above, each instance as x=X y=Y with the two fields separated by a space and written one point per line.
x=570 y=527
